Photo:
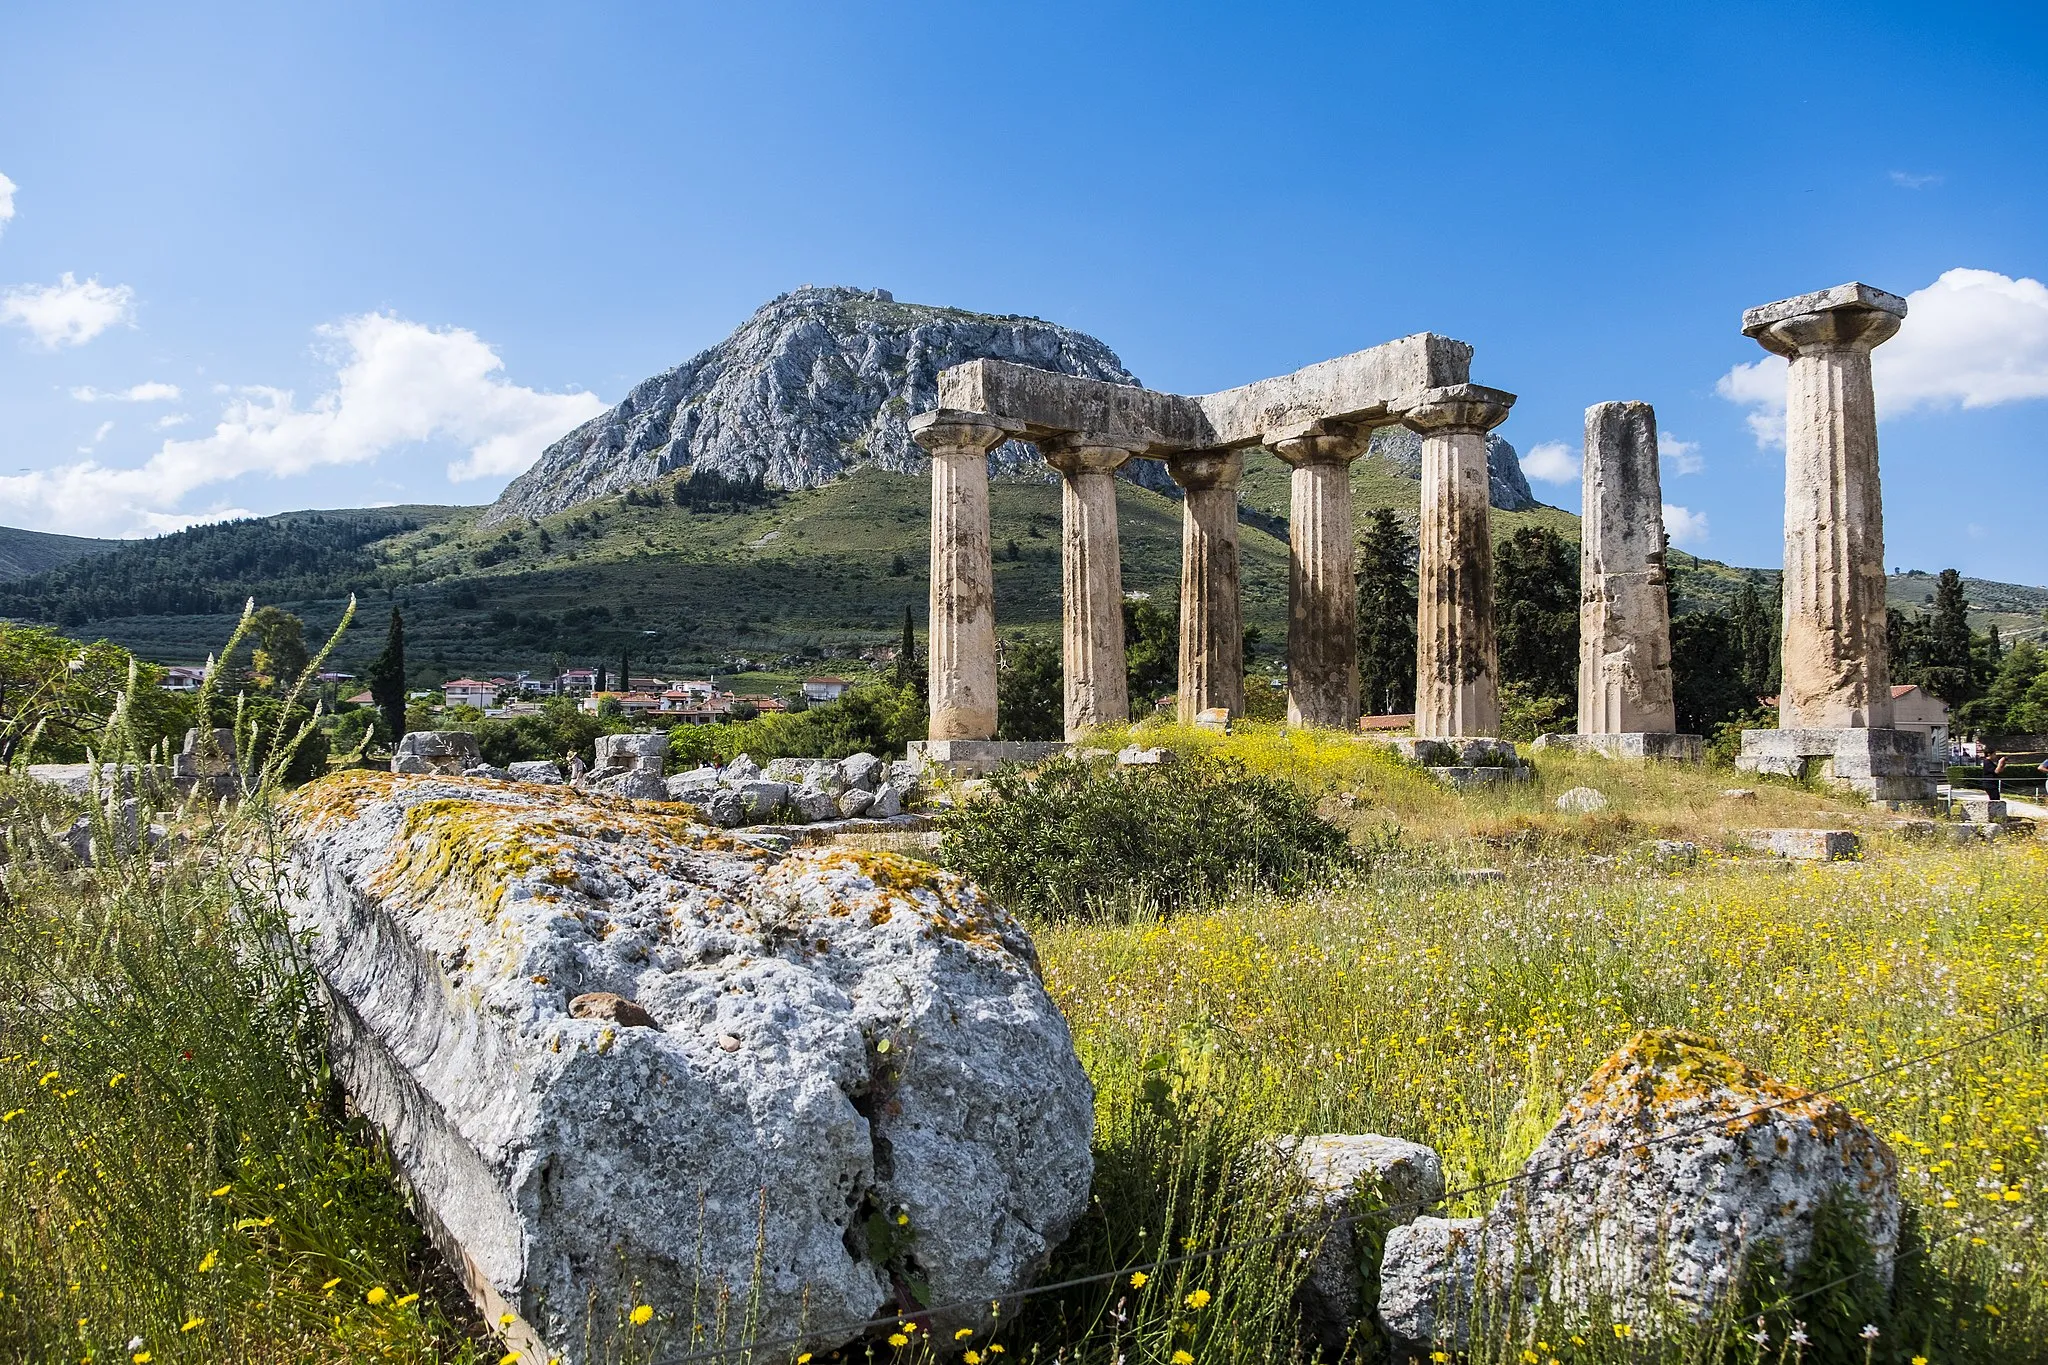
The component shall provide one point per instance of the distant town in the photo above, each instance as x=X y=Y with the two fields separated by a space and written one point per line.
x=682 y=701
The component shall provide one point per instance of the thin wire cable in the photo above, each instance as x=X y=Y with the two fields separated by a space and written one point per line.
x=1412 y=1207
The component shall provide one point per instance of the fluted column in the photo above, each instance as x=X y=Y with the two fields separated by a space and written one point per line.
x=1092 y=585
x=1624 y=607
x=1322 y=586
x=1211 y=612
x=1836 y=670
x=1457 y=661
x=962 y=659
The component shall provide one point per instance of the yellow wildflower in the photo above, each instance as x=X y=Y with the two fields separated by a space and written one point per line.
x=376 y=1296
x=404 y=1301
x=1182 y=1358
x=963 y=1334
x=114 y=1081
x=191 y=1323
x=972 y=1357
x=1138 y=1278
x=641 y=1315
x=221 y=1193
x=208 y=1261
x=331 y=1283
x=898 y=1339
x=1198 y=1299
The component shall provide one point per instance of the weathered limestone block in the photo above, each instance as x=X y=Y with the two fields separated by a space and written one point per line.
x=489 y=770
x=977 y=758
x=863 y=772
x=634 y=784
x=1457 y=659
x=1669 y=748
x=536 y=771
x=1880 y=764
x=632 y=752
x=116 y=780
x=1211 y=599
x=1354 y=1186
x=1582 y=801
x=1674 y=1163
x=1805 y=845
x=436 y=751
x=861 y=1037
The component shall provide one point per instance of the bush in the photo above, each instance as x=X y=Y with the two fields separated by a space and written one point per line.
x=1089 y=838
x=875 y=718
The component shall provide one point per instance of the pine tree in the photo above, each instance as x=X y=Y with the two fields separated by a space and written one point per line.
x=386 y=676
x=1386 y=616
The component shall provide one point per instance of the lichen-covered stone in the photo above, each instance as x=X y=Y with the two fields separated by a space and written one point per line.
x=1674 y=1164
x=1429 y=1275
x=844 y=1042
x=539 y=771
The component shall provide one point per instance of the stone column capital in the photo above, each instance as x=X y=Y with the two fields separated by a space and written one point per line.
x=1321 y=441
x=948 y=431
x=1080 y=453
x=1202 y=469
x=1846 y=317
x=1459 y=408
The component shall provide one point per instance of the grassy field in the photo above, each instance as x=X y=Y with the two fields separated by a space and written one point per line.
x=178 y=1181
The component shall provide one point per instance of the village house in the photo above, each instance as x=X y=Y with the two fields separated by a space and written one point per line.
x=1915 y=709
x=179 y=678
x=469 y=692
x=577 y=682
x=824 y=689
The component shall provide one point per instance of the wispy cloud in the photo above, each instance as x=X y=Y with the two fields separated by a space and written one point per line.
x=1685 y=527
x=7 y=189
x=67 y=313
x=150 y=392
x=396 y=384
x=1683 y=456
x=172 y=419
x=1552 y=462
x=1972 y=339
x=1906 y=180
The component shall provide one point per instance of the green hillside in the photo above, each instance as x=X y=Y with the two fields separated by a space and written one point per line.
x=29 y=552
x=784 y=580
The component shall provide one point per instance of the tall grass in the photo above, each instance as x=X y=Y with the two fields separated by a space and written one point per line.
x=178 y=1177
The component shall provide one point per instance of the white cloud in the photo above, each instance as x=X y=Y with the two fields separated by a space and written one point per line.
x=152 y=391
x=1906 y=180
x=1973 y=339
x=172 y=419
x=397 y=384
x=1552 y=462
x=7 y=188
x=67 y=313
x=1683 y=456
x=1683 y=526
x=101 y=434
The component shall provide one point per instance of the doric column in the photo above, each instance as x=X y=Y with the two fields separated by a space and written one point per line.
x=1211 y=614
x=1322 y=587
x=962 y=657
x=1457 y=692
x=1624 y=612
x=1836 y=674
x=1092 y=584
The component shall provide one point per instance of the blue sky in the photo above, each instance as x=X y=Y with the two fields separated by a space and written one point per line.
x=371 y=245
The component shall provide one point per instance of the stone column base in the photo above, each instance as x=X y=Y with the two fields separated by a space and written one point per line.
x=979 y=757
x=1460 y=761
x=1882 y=765
x=1668 y=748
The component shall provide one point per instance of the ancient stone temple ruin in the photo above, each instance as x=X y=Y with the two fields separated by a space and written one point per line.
x=1625 y=696
x=1835 y=708
x=1318 y=420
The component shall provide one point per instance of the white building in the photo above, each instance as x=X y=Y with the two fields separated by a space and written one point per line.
x=824 y=689
x=1923 y=713
x=469 y=692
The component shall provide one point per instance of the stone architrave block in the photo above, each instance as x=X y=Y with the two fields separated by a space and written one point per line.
x=1879 y=764
x=864 y=1038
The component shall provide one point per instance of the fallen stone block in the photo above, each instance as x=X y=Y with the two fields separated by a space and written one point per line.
x=594 y=1033
x=635 y=784
x=862 y=772
x=436 y=751
x=1137 y=756
x=1582 y=801
x=1673 y=1164
x=1805 y=845
x=539 y=771
x=490 y=771
x=1675 y=852
x=1354 y=1187
x=1739 y=794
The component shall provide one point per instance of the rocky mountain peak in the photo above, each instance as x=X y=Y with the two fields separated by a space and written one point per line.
x=818 y=382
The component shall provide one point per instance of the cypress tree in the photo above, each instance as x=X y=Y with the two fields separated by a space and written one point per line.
x=1755 y=635
x=387 y=678
x=1947 y=645
x=1386 y=616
